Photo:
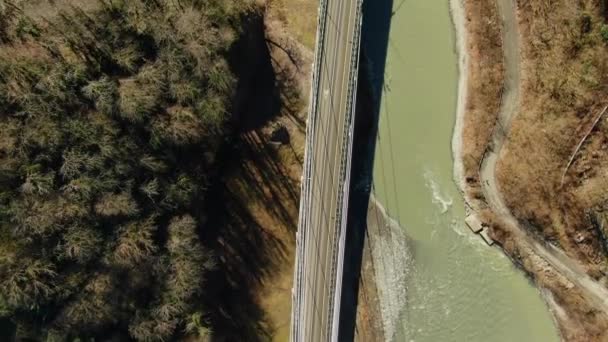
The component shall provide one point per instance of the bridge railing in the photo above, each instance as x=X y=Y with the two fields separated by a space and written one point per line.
x=345 y=173
x=344 y=180
x=305 y=198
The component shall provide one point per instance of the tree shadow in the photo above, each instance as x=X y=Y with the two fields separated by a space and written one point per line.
x=7 y=329
x=271 y=181
x=248 y=251
x=245 y=255
x=254 y=205
x=290 y=97
x=257 y=96
x=266 y=87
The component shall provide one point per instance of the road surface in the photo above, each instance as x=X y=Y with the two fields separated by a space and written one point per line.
x=318 y=273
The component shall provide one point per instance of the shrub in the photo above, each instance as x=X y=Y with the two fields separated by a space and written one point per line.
x=138 y=101
x=8 y=14
x=180 y=126
x=104 y=92
x=121 y=204
x=604 y=32
x=80 y=244
x=135 y=242
x=29 y=284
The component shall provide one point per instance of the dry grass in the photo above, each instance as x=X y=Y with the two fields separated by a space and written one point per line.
x=564 y=84
x=292 y=25
x=273 y=294
x=485 y=76
x=47 y=9
x=299 y=18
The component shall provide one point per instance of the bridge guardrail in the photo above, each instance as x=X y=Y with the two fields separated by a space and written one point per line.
x=345 y=167
x=344 y=175
x=304 y=202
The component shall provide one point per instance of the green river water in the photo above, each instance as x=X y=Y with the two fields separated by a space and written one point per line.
x=458 y=289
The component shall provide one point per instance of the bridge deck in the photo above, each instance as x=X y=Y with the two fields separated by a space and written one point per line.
x=326 y=176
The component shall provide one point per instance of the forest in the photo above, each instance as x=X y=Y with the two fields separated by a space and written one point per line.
x=112 y=119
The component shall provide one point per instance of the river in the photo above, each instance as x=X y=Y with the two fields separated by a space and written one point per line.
x=458 y=288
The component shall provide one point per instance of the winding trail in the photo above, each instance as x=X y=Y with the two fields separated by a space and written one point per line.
x=557 y=259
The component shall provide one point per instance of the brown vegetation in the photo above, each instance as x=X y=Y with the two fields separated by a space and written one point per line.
x=485 y=76
x=299 y=18
x=564 y=87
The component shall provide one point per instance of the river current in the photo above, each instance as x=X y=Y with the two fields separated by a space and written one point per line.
x=457 y=288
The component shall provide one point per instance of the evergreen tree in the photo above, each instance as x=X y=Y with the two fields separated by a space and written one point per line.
x=104 y=123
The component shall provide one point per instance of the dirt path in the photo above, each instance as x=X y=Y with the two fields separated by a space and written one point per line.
x=574 y=272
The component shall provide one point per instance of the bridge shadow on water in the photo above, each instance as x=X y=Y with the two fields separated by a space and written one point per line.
x=377 y=16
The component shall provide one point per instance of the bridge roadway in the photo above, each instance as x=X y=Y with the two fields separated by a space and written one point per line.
x=326 y=176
